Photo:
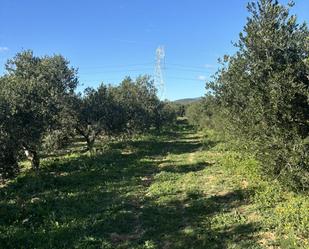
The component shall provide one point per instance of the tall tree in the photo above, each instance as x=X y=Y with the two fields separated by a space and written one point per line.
x=36 y=89
x=265 y=88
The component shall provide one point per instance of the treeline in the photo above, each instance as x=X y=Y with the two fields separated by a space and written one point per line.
x=260 y=95
x=40 y=109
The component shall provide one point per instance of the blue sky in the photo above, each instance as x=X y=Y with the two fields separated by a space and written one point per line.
x=109 y=39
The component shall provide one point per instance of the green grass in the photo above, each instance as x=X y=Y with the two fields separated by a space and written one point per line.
x=171 y=190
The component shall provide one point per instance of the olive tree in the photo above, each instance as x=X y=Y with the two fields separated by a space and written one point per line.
x=96 y=112
x=264 y=89
x=139 y=100
x=36 y=89
x=165 y=115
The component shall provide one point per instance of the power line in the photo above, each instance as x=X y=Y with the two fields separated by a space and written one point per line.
x=210 y=67
x=141 y=69
x=181 y=78
x=115 y=71
x=167 y=77
x=188 y=70
x=118 y=65
x=193 y=67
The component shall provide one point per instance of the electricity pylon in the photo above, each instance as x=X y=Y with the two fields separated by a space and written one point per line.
x=160 y=63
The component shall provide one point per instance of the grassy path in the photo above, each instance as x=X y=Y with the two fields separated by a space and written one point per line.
x=161 y=192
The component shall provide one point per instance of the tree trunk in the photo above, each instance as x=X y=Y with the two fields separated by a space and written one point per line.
x=35 y=163
x=34 y=158
x=90 y=144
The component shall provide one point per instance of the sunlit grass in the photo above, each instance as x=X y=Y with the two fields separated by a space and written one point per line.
x=174 y=190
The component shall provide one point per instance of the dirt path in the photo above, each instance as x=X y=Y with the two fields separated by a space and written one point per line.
x=195 y=204
x=167 y=193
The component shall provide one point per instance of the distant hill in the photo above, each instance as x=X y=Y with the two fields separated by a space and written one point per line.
x=187 y=100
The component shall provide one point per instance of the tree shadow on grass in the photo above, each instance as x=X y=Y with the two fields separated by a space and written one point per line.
x=99 y=202
x=189 y=223
x=160 y=148
x=62 y=205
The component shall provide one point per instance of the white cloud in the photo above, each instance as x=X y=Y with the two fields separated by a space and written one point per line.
x=201 y=77
x=3 y=49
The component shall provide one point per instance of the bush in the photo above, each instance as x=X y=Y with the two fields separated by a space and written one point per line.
x=8 y=159
x=282 y=211
x=263 y=92
x=56 y=140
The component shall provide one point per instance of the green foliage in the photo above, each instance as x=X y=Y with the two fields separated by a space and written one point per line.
x=8 y=157
x=37 y=97
x=200 y=113
x=164 y=115
x=179 y=108
x=195 y=113
x=140 y=102
x=176 y=189
x=127 y=109
x=35 y=91
x=56 y=140
x=126 y=200
x=263 y=91
x=8 y=151
x=283 y=212
x=96 y=112
x=206 y=114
